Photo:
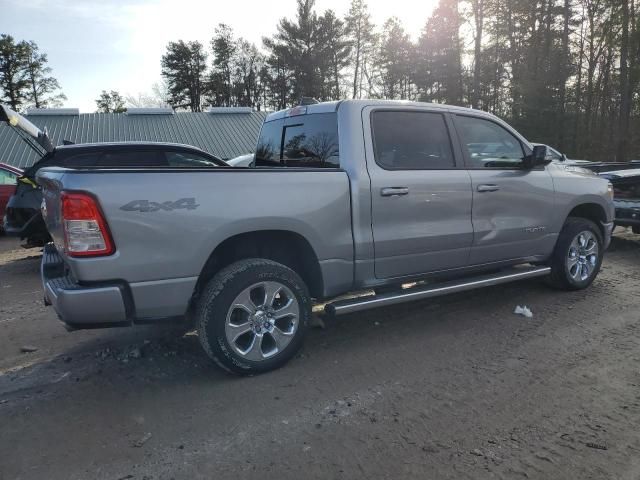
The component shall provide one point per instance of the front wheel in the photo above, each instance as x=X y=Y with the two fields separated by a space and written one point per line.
x=252 y=316
x=578 y=255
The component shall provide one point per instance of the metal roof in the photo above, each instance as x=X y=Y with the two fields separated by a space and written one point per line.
x=225 y=135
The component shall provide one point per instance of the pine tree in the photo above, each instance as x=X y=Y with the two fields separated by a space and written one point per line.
x=224 y=50
x=294 y=51
x=439 y=55
x=44 y=90
x=333 y=55
x=363 y=38
x=394 y=61
x=14 y=60
x=247 y=84
x=184 y=68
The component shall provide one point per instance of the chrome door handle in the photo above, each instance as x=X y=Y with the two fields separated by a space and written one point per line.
x=394 y=191
x=488 y=188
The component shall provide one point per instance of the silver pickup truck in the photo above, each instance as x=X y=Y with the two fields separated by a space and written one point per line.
x=399 y=200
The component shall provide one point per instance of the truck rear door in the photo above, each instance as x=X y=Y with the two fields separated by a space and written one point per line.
x=421 y=193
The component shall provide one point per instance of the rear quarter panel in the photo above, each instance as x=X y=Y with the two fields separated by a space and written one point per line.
x=172 y=242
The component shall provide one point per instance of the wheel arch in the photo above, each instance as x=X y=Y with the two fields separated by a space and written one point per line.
x=591 y=211
x=283 y=246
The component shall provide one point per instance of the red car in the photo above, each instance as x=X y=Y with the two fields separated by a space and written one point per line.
x=8 y=181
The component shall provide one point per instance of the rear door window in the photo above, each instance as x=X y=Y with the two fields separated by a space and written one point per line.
x=411 y=140
x=305 y=141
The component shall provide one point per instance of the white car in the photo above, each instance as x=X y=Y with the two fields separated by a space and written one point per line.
x=246 y=161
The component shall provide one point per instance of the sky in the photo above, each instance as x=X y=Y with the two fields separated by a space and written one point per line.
x=96 y=45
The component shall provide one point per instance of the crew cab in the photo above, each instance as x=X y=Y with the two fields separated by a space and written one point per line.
x=407 y=200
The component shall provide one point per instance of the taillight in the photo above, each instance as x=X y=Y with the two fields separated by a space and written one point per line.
x=85 y=230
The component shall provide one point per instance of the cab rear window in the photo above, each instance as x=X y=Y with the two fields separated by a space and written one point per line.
x=305 y=141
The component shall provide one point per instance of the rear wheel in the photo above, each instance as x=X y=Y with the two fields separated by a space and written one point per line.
x=252 y=316
x=577 y=257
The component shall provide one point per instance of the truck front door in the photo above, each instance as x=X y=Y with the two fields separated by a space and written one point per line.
x=421 y=193
x=512 y=205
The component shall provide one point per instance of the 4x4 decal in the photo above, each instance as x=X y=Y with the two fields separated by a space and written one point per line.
x=147 y=206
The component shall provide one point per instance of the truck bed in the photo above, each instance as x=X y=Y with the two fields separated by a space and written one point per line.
x=166 y=223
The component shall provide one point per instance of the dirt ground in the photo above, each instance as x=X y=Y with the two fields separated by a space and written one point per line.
x=454 y=388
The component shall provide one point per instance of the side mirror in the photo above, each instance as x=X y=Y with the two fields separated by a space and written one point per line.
x=538 y=158
x=564 y=158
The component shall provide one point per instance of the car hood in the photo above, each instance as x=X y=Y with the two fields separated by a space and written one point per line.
x=574 y=169
x=621 y=174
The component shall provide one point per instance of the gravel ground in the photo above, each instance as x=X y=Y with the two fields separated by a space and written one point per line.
x=455 y=388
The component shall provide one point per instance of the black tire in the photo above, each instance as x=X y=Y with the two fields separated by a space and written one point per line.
x=560 y=276
x=216 y=301
x=636 y=229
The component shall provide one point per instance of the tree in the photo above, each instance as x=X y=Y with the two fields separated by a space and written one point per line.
x=294 y=50
x=563 y=72
x=160 y=93
x=394 y=60
x=184 y=67
x=625 y=90
x=363 y=38
x=333 y=54
x=248 y=85
x=440 y=55
x=478 y=8
x=224 y=50
x=14 y=60
x=110 y=102
x=44 y=90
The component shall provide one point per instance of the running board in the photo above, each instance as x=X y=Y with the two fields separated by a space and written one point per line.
x=342 y=307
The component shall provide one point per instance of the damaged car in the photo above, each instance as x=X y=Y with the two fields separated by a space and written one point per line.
x=626 y=191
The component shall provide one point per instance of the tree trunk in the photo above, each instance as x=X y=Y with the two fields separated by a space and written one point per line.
x=564 y=77
x=625 y=92
x=478 y=13
x=578 y=119
x=357 y=65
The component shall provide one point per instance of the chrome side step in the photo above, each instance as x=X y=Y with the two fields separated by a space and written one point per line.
x=342 y=307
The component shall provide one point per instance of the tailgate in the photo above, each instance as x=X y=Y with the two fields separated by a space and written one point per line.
x=51 y=181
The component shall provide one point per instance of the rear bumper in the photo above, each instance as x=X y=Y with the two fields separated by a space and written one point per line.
x=81 y=306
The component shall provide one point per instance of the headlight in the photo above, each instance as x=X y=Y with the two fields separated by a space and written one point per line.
x=610 y=190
